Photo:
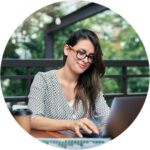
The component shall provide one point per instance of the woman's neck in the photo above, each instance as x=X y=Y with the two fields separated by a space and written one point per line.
x=68 y=76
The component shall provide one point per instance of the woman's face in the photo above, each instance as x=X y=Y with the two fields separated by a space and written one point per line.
x=77 y=65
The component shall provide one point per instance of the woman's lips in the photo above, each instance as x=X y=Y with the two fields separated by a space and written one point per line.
x=82 y=66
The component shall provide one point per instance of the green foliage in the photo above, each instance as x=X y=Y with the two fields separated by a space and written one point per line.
x=119 y=41
x=138 y=85
x=15 y=87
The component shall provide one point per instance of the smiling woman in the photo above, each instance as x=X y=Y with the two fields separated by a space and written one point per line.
x=83 y=60
x=76 y=82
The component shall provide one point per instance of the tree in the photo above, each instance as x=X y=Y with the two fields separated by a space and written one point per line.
x=117 y=38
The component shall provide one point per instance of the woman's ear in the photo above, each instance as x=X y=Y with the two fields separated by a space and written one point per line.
x=66 y=50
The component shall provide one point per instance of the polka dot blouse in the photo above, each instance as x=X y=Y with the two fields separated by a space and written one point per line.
x=46 y=98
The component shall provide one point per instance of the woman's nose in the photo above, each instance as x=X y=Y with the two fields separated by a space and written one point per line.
x=86 y=60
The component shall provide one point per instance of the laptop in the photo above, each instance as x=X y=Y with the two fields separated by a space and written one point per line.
x=123 y=112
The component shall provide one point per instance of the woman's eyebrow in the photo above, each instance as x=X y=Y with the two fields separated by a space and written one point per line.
x=86 y=51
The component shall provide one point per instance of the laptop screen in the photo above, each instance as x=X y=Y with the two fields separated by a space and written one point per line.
x=123 y=112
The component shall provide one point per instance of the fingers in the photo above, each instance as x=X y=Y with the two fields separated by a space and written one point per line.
x=78 y=132
x=85 y=124
x=85 y=128
x=92 y=126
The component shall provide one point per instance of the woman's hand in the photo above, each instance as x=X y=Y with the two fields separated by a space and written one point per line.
x=85 y=124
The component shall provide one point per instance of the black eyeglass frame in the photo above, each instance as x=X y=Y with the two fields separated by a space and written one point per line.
x=77 y=51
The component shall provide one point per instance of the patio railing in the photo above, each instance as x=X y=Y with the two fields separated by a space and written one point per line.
x=51 y=63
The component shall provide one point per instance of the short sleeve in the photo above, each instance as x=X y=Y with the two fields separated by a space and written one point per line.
x=101 y=110
x=36 y=95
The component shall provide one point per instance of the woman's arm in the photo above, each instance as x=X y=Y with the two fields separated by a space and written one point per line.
x=42 y=123
x=36 y=104
x=101 y=110
x=36 y=95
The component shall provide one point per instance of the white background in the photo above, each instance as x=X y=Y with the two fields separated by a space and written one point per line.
x=12 y=13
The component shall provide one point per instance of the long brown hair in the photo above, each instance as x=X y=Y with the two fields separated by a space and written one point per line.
x=88 y=86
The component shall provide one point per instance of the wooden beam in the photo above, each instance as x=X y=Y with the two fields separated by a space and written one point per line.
x=49 y=45
x=82 y=13
x=56 y=63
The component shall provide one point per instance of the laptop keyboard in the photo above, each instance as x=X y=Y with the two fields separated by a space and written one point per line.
x=74 y=143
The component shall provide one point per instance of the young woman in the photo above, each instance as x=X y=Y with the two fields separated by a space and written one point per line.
x=71 y=97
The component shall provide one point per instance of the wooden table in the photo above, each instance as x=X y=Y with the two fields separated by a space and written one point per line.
x=51 y=134
x=48 y=134
x=66 y=141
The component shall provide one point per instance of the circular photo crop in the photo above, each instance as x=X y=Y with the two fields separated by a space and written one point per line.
x=80 y=73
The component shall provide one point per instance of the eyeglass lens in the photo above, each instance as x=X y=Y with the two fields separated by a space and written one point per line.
x=82 y=55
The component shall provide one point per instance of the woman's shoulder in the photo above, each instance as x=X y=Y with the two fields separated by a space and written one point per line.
x=44 y=79
x=100 y=96
x=46 y=75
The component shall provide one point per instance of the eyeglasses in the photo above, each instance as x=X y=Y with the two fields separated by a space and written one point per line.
x=82 y=55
